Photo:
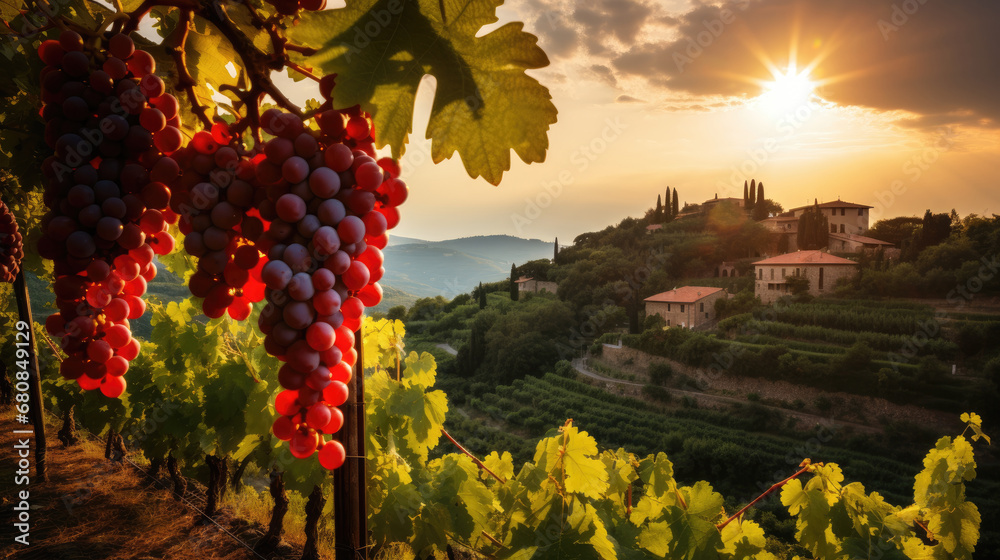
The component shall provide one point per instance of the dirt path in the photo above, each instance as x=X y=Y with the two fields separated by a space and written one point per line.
x=94 y=508
x=447 y=348
x=703 y=398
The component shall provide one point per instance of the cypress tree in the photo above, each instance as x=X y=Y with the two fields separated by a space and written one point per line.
x=513 y=283
x=675 y=210
x=746 y=196
x=760 y=192
x=753 y=192
x=482 y=297
x=555 y=254
x=658 y=213
x=667 y=214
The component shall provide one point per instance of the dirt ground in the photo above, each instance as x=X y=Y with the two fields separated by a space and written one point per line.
x=92 y=508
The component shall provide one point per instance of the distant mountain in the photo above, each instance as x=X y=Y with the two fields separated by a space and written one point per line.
x=455 y=266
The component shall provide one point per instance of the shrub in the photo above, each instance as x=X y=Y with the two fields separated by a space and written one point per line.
x=565 y=369
x=823 y=404
x=656 y=393
x=653 y=322
x=660 y=372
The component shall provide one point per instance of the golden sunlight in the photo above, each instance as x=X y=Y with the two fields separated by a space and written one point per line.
x=787 y=91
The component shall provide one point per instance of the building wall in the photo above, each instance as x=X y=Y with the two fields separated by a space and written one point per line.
x=773 y=285
x=693 y=315
x=844 y=246
x=536 y=286
x=853 y=220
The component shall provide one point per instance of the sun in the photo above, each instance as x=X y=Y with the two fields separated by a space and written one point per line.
x=787 y=92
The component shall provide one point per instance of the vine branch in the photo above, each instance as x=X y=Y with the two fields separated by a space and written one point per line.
x=805 y=467
x=175 y=47
x=473 y=457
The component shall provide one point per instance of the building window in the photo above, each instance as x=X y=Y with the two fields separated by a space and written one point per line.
x=821 y=277
x=682 y=308
x=761 y=271
x=772 y=274
x=842 y=228
x=702 y=306
x=861 y=211
x=843 y=211
x=833 y=228
x=668 y=308
x=796 y=272
x=668 y=322
x=706 y=315
x=782 y=273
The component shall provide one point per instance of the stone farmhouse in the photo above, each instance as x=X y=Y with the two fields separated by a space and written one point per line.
x=688 y=307
x=821 y=269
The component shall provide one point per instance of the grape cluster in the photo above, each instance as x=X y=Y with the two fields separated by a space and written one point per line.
x=290 y=7
x=215 y=193
x=11 y=245
x=109 y=126
x=329 y=204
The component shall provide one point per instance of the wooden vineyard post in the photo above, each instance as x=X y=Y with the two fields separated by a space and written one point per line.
x=36 y=412
x=350 y=490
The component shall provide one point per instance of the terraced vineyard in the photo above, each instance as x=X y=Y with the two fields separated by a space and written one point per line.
x=700 y=443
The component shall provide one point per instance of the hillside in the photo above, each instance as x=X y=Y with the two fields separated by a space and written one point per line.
x=455 y=266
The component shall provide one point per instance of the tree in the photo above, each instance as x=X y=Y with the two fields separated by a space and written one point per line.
x=482 y=296
x=814 y=230
x=397 y=312
x=746 y=195
x=676 y=207
x=760 y=193
x=658 y=213
x=797 y=285
x=753 y=193
x=936 y=228
x=513 y=283
x=555 y=253
x=668 y=213
x=783 y=243
x=765 y=208
x=895 y=230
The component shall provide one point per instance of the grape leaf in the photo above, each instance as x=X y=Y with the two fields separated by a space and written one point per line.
x=484 y=104
x=573 y=452
x=501 y=464
x=743 y=538
x=658 y=474
x=656 y=538
x=957 y=529
x=9 y=9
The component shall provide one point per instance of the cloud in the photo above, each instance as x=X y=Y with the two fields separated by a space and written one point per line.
x=604 y=74
x=628 y=99
x=931 y=58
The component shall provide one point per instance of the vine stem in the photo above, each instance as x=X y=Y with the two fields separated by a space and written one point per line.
x=304 y=71
x=176 y=43
x=806 y=465
x=473 y=457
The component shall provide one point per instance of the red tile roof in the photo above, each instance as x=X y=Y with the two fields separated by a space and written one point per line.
x=654 y=227
x=523 y=279
x=834 y=204
x=805 y=257
x=860 y=239
x=687 y=294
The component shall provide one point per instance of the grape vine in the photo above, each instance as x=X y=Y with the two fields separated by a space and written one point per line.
x=11 y=245
x=106 y=216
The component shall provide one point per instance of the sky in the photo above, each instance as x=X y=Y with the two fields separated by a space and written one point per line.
x=892 y=104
